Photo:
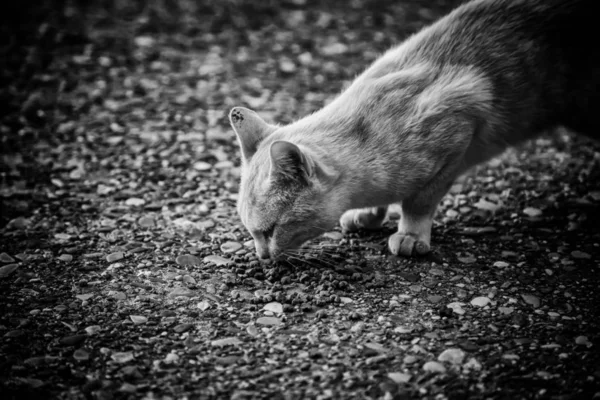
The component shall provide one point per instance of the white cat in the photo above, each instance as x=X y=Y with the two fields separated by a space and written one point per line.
x=489 y=75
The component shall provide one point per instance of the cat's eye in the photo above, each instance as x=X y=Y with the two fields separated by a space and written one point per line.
x=267 y=233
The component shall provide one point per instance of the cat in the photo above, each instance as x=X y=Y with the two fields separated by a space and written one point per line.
x=489 y=75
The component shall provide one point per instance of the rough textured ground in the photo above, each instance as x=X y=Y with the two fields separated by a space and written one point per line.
x=125 y=273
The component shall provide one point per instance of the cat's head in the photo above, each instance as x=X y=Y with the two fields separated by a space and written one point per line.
x=286 y=195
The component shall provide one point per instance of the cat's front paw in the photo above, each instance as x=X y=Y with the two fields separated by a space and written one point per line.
x=364 y=218
x=407 y=244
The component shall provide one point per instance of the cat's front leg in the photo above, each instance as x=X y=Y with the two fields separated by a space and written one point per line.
x=363 y=218
x=416 y=219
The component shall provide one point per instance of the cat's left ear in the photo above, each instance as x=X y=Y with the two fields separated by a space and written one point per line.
x=250 y=130
x=289 y=162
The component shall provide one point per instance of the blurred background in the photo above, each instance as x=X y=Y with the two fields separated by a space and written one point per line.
x=77 y=75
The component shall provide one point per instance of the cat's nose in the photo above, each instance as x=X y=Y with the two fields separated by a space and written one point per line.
x=263 y=253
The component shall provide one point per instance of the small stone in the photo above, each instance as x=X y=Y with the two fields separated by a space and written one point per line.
x=469 y=259
x=217 y=260
x=500 y=264
x=182 y=292
x=183 y=328
x=582 y=341
x=472 y=365
x=434 y=366
x=117 y=295
x=334 y=49
x=93 y=329
x=138 y=319
x=434 y=299
x=65 y=257
x=146 y=222
x=5 y=258
x=135 y=202
x=481 y=301
x=85 y=296
x=286 y=65
x=81 y=355
x=453 y=356
x=334 y=235
x=274 y=307
x=122 y=357
x=580 y=255
x=127 y=387
x=532 y=212
x=230 y=247
x=268 y=321
x=531 y=300
x=203 y=305
x=409 y=359
x=202 y=166
x=72 y=340
x=113 y=257
x=399 y=377
x=187 y=259
x=456 y=307
x=506 y=310
x=226 y=342
x=8 y=269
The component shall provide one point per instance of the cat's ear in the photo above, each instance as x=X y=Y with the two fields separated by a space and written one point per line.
x=292 y=163
x=250 y=130
x=289 y=162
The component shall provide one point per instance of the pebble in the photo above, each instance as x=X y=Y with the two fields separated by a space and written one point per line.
x=532 y=212
x=481 y=301
x=203 y=305
x=268 y=321
x=500 y=264
x=286 y=65
x=5 y=258
x=434 y=299
x=187 y=259
x=138 y=319
x=456 y=307
x=65 y=257
x=217 y=260
x=81 y=355
x=92 y=329
x=531 y=300
x=116 y=256
x=583 y=341
x=183 y=328
x=274 y=307
x=7 y=270
x=182 y=292
x=453 y=356
x=146 y=222
x=122 y=357
x=226 y=342
x=334 y=49
x=399 y=377
x=334 y=235
x=434 y=366
x=230 y=247
x=580 y=255
x=135 y=202
x=409 y=359
x=72 y=340
x=202 y=166
x=506 y=310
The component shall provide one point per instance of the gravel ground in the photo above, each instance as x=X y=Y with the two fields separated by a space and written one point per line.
x=125 y=272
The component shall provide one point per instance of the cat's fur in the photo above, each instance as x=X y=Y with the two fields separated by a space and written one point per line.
x=489 y=75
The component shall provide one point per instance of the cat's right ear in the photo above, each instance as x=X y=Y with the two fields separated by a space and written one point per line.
x=250 y=130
